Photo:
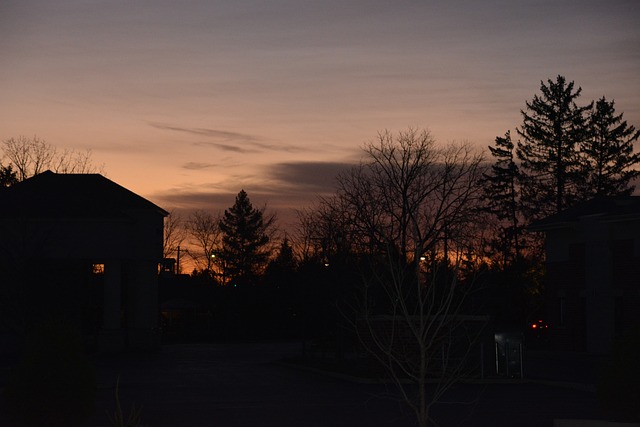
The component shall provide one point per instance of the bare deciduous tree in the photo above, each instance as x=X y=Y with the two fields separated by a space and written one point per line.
x=174 y=234
x=204 y=232
x=31 y=156
x=304 y=233
x=326 y=231
x=409 y=207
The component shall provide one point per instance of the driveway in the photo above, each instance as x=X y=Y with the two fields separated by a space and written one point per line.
x=244 y=384
x=240 y=384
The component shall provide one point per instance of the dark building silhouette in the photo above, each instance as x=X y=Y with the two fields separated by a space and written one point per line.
x=593 y=272
x=82 y=246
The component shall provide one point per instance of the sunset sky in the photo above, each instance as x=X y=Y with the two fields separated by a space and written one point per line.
x=187 y=102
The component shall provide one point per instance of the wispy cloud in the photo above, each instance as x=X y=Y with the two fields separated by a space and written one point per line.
x=251 y=147
x=226 y=147
x=198 y=165
x=226 y=140
x=212 y=133
x=196 y=198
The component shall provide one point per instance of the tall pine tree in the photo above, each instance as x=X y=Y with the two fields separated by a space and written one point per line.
x=245 y=240
x=553 y=126
x=501 y=198
x=608 y=159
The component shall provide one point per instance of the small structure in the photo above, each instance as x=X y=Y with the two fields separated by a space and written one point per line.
x=82 y=246
x=593 y=272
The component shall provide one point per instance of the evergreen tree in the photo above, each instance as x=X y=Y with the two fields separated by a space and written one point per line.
x=285 y=260
x=244 y=239
x=501 y=198
x=281 y=270
x=8 y=176
x=608 y=157
x=553 y=127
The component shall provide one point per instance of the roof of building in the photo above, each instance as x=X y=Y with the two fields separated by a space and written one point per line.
x=57 y=195
x=615 y=208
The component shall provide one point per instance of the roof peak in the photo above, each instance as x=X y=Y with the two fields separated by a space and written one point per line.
x=604 y=206
x=74 y=195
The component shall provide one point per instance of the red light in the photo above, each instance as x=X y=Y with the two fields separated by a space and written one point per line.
x=534 y=326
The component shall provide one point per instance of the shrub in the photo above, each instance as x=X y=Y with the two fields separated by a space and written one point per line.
x=54 y=384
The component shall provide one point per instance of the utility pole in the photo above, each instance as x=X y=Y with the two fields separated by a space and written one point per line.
x=178 y=261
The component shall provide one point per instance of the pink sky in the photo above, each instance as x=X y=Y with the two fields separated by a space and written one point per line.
x=188 y=102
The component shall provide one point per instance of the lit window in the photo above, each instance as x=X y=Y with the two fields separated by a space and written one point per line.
x=97 y=268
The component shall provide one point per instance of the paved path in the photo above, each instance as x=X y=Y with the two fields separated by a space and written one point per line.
x=242 y=384
x=238 y=385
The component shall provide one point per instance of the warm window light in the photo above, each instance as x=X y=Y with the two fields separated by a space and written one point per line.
x=97 y=268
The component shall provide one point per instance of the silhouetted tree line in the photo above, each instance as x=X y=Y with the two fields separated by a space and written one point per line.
x=410 y=199
x=427 y=208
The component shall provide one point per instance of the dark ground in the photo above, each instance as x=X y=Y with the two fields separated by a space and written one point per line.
x=246 y=384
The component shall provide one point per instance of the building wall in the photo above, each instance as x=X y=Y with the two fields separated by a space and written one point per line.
x=593 y=282
x=565 y=299
x=128 y=249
